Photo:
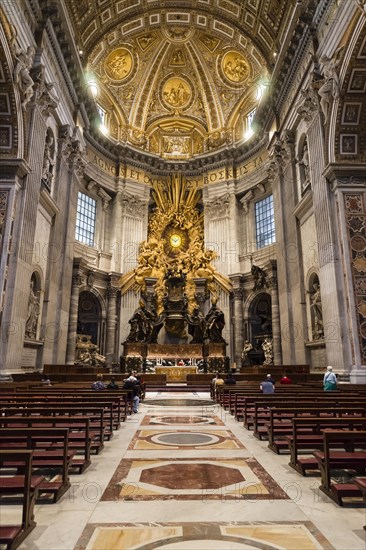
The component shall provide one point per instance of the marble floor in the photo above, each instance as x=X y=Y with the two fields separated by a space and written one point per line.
x=183 y=474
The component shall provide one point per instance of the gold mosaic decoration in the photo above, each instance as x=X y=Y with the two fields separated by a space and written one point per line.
x=175 y=245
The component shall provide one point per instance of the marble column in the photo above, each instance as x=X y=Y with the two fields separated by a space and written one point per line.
x=112 y=294
x=77 y=281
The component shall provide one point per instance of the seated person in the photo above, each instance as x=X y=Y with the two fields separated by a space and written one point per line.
x=229 y=380
x=267 y=386
x=285 y=380
x=112 y=384
x=98 y=384
x=131 y=377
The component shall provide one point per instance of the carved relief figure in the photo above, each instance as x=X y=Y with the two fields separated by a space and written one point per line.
x=118 y=64
x=48 y=161
x=235 y=67
x=33 y=312
x=22 y=77
x=331 y=88
x=245 y=352
x=176 y=92
x=259 y=277
x=304 y=166
x=177 y=57
x=316 y=312
x=267 y=347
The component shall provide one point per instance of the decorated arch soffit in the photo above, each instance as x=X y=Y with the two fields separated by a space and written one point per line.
x=178 y=79
x=9 y=114
x=350 y=134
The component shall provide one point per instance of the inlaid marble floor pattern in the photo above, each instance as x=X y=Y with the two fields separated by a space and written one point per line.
x=183 y=474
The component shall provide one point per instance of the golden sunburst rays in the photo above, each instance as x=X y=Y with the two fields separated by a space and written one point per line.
x=176 y=193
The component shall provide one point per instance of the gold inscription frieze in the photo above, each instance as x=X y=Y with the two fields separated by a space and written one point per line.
x=132 y=173
x=100 y=163
x=251 y=165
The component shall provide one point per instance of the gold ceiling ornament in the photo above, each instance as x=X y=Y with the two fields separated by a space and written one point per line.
x=177 y=57
x=210 y=42
x=146 y=41
x=234 y=67
x=179 y=75
x=178 y=33
x=175 y=245
x=177 y=93
x=119 y=64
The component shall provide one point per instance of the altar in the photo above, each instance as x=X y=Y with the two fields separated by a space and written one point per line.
x=176 y=373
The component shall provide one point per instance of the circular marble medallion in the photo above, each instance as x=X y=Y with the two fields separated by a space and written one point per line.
x=234 y=67
x=358 y=243
x=119 y=64
x=189 y=439
x=176 y=93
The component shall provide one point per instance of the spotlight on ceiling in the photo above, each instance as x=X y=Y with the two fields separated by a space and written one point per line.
x=248 y=134
x=103 y=129
x=93 y=89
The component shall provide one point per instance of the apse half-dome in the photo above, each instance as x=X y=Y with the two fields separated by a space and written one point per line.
x=175 y=90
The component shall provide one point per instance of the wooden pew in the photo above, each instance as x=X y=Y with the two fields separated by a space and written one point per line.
x=313 y=438
x=353 y=459
x=280 y=417
x=95 y=415
x=45 y=444
x=259 y=419
x=27 y=485
x=121 y=398
x=79 y=434
x=112 y=405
